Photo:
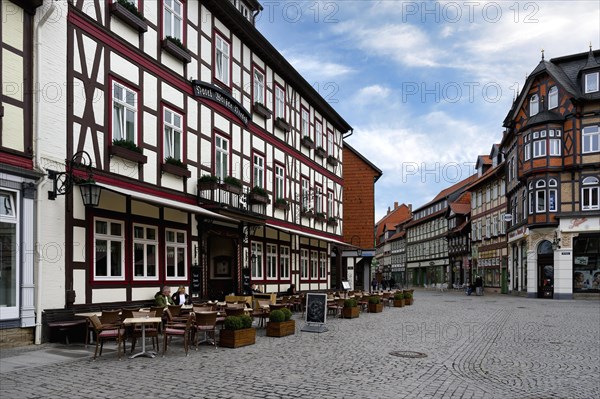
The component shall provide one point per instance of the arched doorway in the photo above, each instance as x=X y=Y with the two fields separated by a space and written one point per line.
x=545 y=264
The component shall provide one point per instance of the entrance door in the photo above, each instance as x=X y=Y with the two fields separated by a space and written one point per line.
x=545 y=270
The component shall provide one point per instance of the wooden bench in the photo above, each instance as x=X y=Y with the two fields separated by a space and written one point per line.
x=63 y=322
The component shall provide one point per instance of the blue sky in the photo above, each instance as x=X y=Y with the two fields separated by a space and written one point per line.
x=425 y=85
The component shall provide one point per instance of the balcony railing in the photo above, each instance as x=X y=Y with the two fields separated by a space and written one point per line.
x=238 y=198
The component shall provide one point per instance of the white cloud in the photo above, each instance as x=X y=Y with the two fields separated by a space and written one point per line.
x=318 y=68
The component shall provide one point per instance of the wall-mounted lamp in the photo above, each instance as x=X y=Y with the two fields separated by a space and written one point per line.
x=63 y=181
x=556 y=241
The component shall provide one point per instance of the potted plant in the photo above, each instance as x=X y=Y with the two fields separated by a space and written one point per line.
x=331 y=160
x=375 y=305
x=128 y=150
x=237 y=331
x=320 y=152
x=282 y=124
x=308 y=142
x=208 y=182
x=307 y=212
x=128 y=13
x=281 y=203
x=320 y=216
x=408 y=297
x=258 y=195
x=175 y=47
x=175 y=167
x=332 y=221
x=280 y=323
x=350 y=309
x=232 y=185
x=399 y=299
x=262 y=110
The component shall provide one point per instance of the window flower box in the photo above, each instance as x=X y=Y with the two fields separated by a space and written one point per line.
x=258 y=196
x=133 y=19
x=307 y=142
x=175 y=167
x=332 y=221
x=307 y=213
x=208 y=182
x=331 y=160
x=320 y=217
x=281 y=204
x=232 y=185
x=172 y=47
x=320 y=152
x=128 y=154
x=282 y=124
x=262 y=110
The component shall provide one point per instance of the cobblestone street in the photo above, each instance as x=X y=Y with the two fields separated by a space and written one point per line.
x=495 y=346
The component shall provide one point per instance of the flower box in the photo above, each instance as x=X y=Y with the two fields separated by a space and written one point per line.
x=350 y=313
x=375 y=307
x=281 y=329
x=231 y=188
x=307 y=142
x=128 y=17
x=261 y=110
x=282 y=124
x=237 y=338
x=176 y=51
x=307 y=214
x=320 y=217
x=127 y=154
x=176 y=170
x=255 y=198
x=332 y=222
x=207 y=185
x=331 y=160
x=320 y=152
x=399 y=303
x=284 y=206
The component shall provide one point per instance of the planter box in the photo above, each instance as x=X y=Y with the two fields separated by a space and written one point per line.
x=231 y=188
x=126 y=153
x=307 y=142
x=375 y=307
x=283 y=207
x=128 y=17
x=283 y=125
x=176 y=170
x=281 y=329
x=261 y=110
x=320 y=218
x=332 y=161
x=350 y=313
x=255 y=198
x=207 y=185
x=332 y=223
x=399 y=303
x=176 y=51
x=307 y=214
x=237 y=338
x=320 y=152
x=408 y=301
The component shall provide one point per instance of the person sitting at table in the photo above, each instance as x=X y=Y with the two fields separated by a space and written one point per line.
x=255 y=289
x=163 y=297
x=181 y=297
x=291 y=290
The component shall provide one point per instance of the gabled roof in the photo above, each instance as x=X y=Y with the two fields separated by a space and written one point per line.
x=490 y=173
x=396 y=216
x=365 y=160
x=462 y=205
x=447 y=192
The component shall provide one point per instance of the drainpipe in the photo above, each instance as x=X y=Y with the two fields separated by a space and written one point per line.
x=37 y=157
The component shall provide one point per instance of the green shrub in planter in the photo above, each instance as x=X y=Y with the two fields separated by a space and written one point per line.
x=374 y=300
x=276 y=316
x=399 y=295
x=350 y=303
x=246 y=321
x=408 y=295
x=287 y=314
x=233 y=323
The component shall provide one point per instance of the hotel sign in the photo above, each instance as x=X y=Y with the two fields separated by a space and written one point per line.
x=218 y=95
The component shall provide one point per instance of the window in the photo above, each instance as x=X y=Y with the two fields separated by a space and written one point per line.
x=259 y=87
x=284 y=263
x=322 y=265
x=531 y=192
x=534 y=106
x=305 y=123
x=176 y=246
x=319 y=134
x=124 y=113
x=271 y=261
x=109 y=241
x=527 y=152
x=222 y=57
x=330 y=204
x=330 y=142
x=279 y=102
x=590 y=193
x=221 y=157
x=318 y=199
x=9 y=255
x=494 y=225
x=173 y=20
x=257 y=260
x=553 y=97
x=258 y=173
x=314 y=263
x=591 y=139
x=591 y=82
x=539 y=148
x=279 y=182
x=540 y=197
x=555 y=147
x=173 y=129
x=145 y=252
x=306 y=202
x=552 y=195
x=304 y=263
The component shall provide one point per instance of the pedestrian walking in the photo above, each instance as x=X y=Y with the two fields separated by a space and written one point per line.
x=374 y=284
x=479 y=286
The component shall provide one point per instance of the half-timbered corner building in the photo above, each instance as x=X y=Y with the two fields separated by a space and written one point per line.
x=219 y=165
x=552 y=147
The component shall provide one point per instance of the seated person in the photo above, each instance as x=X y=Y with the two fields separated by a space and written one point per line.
x=291 y=290
x=181 y=297
x=255 y=289
x=163 y=297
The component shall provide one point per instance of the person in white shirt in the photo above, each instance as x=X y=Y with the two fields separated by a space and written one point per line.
x=181 y=297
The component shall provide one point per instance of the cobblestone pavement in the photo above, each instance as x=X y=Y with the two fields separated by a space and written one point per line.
x=495 y=346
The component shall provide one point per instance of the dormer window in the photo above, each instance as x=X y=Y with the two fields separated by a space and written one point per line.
x=591 y=82
x=553 y=97
x=534 y=105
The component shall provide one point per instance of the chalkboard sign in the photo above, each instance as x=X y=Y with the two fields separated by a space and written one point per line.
x=195 y=286
x=316 y=308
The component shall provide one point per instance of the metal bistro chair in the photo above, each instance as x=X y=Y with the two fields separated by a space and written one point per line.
x=107 y=333
x=206 y=323
x=179 y=330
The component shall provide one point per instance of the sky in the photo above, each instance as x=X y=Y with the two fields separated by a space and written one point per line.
x=425 y=85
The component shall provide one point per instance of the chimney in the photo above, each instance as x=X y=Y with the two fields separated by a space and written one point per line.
x=410 y=208
x=395 y=205
x=388 y=210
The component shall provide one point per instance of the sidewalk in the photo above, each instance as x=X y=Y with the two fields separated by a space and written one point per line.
x=15 y=359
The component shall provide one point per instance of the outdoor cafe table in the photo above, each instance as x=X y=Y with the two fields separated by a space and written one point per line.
x=143 y=321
